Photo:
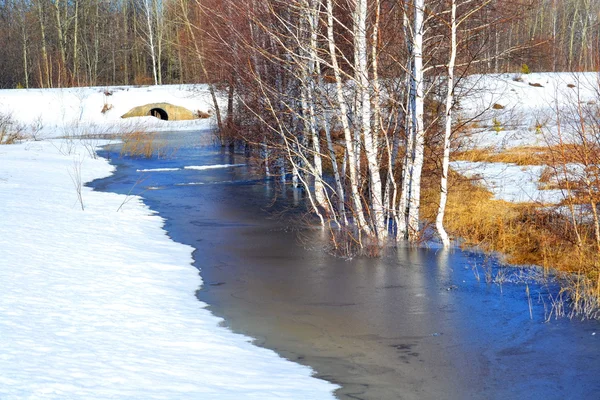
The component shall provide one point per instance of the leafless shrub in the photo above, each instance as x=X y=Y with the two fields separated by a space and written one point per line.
x=130 y=194
x=36 y=127
x=75 y=174
x=10 y=131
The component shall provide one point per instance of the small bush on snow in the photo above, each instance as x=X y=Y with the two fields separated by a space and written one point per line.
x=10 y=131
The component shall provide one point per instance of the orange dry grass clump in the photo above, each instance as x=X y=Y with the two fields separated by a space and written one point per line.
x=9 y=138
x=524 y=233
x=524 y=155
x=138 y=144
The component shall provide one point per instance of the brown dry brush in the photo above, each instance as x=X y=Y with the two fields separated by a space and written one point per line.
x=525 y=234
x=141 y=144
x=10 y=131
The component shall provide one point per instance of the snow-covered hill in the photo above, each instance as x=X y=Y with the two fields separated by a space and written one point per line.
x=78 y=111
x=518 y=110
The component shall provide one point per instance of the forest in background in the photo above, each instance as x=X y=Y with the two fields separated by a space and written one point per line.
x=61 y=43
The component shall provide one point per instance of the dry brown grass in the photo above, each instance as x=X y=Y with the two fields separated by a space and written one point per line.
x=106 y=107
x=10 y=137
x=524 y=155
x=10 y=131
x=140 y=144
x=203 y=114
x=524 y=233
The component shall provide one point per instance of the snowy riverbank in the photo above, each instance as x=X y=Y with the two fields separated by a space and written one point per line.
x=70 y=112
x=99 y=303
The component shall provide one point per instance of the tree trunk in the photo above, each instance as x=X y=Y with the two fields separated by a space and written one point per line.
x=343 y=116
x=439 y=222
x=418 y=124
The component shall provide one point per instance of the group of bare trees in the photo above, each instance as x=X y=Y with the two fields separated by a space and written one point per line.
x=352 y=99
x=60 y=43
x=54 y=43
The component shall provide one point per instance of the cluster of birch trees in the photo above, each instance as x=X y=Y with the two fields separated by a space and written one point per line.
x=351 y=99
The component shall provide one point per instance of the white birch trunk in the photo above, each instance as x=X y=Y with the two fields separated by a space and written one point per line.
x=150 y=33
x=439 y=222
x=418 y=124
x=402 y=220
x=159 y=32
x=266 y=160
x=312 y=19
x=369 y=139
x=343 y=116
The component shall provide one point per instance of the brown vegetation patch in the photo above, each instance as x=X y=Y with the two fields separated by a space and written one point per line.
x=203 y=115
x=524 y=155
x=106 y=107
x=141 y=144
x=10 y=137
x=527 y=234
x=10 y=131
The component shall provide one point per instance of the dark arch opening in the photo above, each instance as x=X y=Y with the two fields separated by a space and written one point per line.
x=159 y=113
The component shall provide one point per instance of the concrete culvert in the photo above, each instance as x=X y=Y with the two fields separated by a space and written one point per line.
x=159 y=113
x=164 y=111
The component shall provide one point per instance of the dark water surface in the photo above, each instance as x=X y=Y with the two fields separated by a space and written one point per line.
x=415 y=324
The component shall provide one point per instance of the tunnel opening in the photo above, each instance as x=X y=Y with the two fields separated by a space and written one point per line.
x=159 y=113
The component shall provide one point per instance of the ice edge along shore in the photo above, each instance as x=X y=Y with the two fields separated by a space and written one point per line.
x=99 y=303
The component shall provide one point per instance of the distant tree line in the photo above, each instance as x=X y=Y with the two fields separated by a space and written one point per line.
x=58 y=43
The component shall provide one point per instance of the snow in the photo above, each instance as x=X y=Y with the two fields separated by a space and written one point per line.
x=529 y=104
x=158 y=170
x=525 y=115
x=510 y=182
x=217 y=166
x=78 y=111
x=99 y=303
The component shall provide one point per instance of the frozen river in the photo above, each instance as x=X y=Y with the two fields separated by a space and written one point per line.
x=415 y=324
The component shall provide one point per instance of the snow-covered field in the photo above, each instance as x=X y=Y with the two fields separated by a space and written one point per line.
x=78 y=111
x=509 y=182
x=99 y=303
x=528 y=101
x=525 y=114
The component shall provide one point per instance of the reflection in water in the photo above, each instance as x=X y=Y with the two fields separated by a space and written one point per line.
x=414 y=324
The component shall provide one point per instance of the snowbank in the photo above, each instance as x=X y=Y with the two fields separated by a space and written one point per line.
x=513 y=110
x=78 y=111
x=510 y=182
x=520 y=110
x=99 y=303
